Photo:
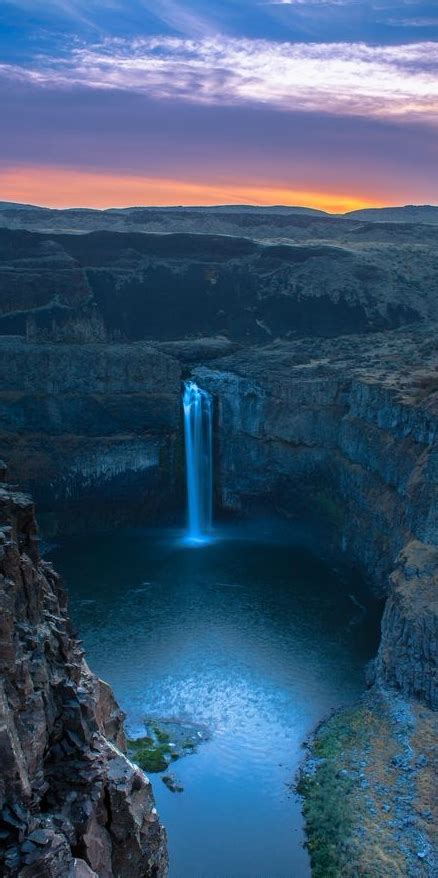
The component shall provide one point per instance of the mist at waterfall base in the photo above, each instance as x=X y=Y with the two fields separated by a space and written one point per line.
x=255 y=638
x=198 y=437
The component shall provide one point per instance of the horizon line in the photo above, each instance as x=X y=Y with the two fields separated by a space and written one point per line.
x=4 y=204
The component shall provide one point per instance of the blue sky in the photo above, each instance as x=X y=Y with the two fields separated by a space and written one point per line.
x=28 y=27
x=316 y=101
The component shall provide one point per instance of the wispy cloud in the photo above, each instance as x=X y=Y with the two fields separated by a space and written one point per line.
x=308 y=2
x=339 y=78
x=180 y=17
x=175 y=14
x=421 y=21
x=77 y=11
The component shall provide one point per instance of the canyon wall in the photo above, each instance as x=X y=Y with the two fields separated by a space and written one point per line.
x=71 y=804
x=92 y=430
x=344 y=431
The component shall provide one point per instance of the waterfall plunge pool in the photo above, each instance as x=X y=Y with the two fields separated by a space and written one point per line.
x=253 y=637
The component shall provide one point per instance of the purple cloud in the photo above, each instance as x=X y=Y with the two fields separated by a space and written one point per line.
x=132 y=133
x=338 y=78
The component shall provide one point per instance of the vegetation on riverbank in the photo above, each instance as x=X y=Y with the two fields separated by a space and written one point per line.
x=367 y=791
x=327 y=788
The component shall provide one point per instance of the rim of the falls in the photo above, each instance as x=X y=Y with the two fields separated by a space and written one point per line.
x=198 y=435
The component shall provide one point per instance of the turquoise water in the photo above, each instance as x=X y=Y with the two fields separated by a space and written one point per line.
x=253 y=637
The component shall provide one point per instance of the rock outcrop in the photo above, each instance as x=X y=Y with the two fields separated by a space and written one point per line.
x=408 y=654
x=71 y=804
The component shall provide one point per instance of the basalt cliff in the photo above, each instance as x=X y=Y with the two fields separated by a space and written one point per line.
x=346 y=431
x=91 y=430
x=71 y=803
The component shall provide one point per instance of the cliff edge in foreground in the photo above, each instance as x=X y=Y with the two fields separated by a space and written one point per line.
x=71 y=804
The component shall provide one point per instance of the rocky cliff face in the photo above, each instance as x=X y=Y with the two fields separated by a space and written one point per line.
x=345 y=431
x=92 y=430
x=71 y=804
x=408 y=654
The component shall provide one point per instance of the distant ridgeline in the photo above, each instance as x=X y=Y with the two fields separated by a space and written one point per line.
x=251 y=275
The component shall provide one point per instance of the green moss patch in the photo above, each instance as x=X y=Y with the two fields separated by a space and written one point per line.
x=328 y=784
x=166 y=741
x=162 y=736
x=150 y=757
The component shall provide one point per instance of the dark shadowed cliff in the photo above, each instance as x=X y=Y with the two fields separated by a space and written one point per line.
x=125 y=286
x=71 y=804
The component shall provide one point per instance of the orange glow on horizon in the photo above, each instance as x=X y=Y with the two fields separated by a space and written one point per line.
x=63 y=188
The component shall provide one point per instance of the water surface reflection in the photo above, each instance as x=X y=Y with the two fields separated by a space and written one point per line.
x=250 y=635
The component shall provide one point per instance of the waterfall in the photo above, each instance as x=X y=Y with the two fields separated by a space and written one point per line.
x=198 y=409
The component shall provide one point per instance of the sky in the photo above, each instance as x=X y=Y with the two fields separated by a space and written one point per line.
x=326 y=103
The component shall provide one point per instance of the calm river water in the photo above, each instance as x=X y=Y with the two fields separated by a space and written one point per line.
x=252 y=636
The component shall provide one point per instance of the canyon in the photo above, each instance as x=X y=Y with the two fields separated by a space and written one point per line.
x=319 y=349
x=325 y=277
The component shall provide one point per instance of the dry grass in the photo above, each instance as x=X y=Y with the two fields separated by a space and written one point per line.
x=425 y=742
x=359 y=775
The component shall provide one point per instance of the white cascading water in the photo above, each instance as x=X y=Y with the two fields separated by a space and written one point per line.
x=198 y=429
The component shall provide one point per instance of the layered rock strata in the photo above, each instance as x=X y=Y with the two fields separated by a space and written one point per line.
x=91 y=430
x=71 y=804
x=408 y=654
x=346 y=430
